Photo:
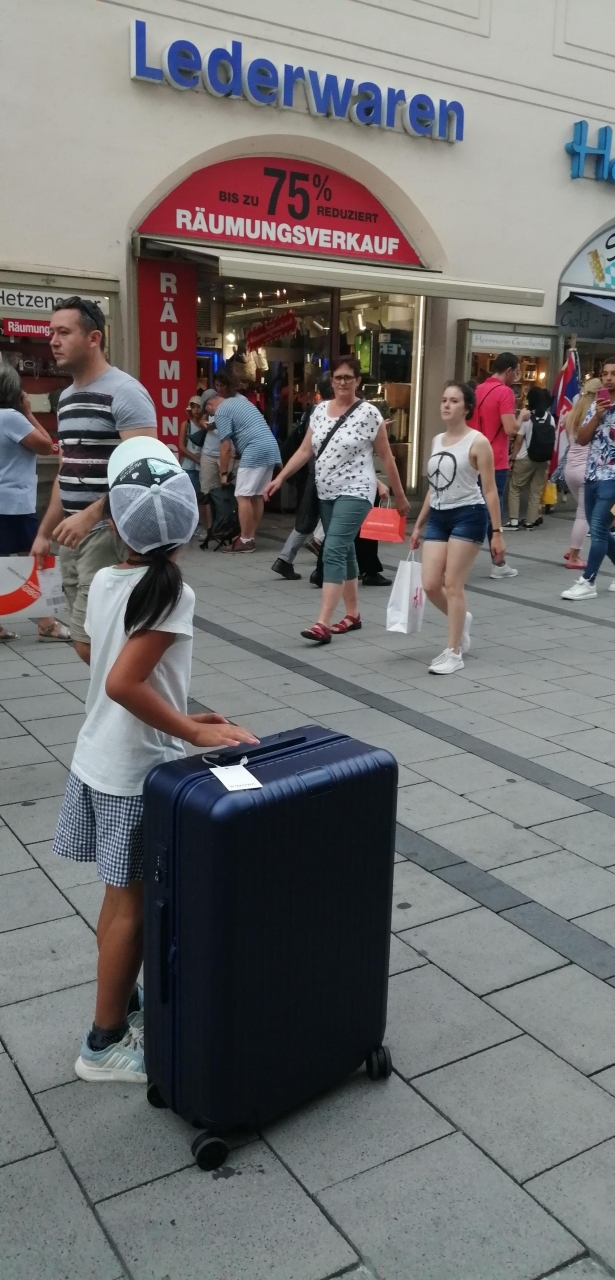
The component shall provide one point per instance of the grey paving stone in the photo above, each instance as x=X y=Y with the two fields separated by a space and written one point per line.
x=79 y=688
x=65 y=872
x=45 y=957
x=581 y=768
x=526 y=803
x=525 y=745
x=432 y=1020
x=571 y=1012
x=491 y=841
x=282 y=682
x=28 y=897
x=33 y=820
x=87 y=900
x=522 y=1105
x=568 y=939
x=258 y=1223
x=467 y=774
x=13 y=856
x=26 y=686
x=425 y=805
x=606 y=1079
x=563 y=882
x=151 y=1142
x=44 y=1034
x=598 y=744
x=490 y=702
x=40 y=708
x=10 y=727
x=586 y=1269
x=601 y=924
x=22 y=1132
x=542 y=722
x=592 y=835
x=581 y=1193
x=57 y=729
x=430 y=1215
x=484 y=952
x=32 y=782
x=22 y=751
x=482 y=886
x=403 y=957
x=63 y=668
x=46 y=1227
x=595 y=686
x=422 y=850
x=320 y=702
x=418 y=897
x=264 y=722
x=65 y=752
x=352 y=1129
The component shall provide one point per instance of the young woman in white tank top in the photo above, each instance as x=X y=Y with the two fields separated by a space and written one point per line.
x=461 y=491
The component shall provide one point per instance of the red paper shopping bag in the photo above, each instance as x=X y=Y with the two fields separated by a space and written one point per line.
x=384 y=524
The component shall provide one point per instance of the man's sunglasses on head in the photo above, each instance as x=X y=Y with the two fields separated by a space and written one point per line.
x=90 y=309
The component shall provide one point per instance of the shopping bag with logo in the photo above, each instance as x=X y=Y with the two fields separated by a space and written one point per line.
x=384 y=524
x=407 y=600
x=27 y=591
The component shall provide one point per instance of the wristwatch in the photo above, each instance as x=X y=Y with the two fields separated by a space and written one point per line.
x=496 y=531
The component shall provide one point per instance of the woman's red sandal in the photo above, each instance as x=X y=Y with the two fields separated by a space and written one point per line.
x=318 y=633
x=347 y=624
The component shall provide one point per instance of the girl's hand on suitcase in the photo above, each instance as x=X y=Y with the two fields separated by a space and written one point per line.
x=215 y=731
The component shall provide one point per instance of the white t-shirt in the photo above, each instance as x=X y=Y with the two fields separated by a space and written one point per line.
x=346 y=468
x=525 y=433
x=115 y=751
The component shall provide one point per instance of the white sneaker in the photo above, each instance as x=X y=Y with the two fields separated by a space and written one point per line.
x=503 y=571
x=466 y=639
x=446 y=663
x=612 y=585
x=122 y=1061
x=581 y=590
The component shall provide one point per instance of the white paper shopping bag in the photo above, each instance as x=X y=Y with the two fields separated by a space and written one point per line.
x=27 y=593
x=407 y=600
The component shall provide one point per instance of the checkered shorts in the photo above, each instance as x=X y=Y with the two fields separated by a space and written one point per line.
x=107 y=830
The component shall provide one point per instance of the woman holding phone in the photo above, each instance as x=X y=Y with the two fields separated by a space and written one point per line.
x=598 y=431
x=455 y=515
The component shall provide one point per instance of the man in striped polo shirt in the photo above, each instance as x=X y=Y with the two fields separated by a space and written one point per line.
x=102 y=406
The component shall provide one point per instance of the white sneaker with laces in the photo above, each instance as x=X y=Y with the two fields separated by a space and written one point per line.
x=581 y=590
x=503 y=571
x=447 y=663
x=121 y=1061
x=466 y=639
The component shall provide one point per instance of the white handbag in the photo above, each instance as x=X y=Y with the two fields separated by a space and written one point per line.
x=407 y=600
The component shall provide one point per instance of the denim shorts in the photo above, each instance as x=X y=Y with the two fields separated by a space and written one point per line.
x=469 y=524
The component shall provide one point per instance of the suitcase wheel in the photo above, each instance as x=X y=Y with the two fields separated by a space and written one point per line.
x=209 y=1152
x=378 y=1063
x=154 y=1096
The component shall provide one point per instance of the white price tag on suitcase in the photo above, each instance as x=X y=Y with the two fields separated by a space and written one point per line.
x=235 y=777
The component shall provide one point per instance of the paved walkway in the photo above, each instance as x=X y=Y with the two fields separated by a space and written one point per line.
x=490 y=1153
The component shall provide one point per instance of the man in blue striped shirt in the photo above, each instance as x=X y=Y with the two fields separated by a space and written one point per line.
x=239 y=423
x=101 y=407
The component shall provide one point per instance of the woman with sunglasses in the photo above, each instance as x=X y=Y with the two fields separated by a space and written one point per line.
x=343 y=435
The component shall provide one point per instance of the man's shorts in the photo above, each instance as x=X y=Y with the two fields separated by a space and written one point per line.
x=251 y=481
x=98 y=550
x=107 y=830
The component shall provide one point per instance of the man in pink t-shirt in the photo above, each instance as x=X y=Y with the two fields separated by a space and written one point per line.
x=495 y=417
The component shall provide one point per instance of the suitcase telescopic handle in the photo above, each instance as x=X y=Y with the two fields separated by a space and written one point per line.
x=233 y=755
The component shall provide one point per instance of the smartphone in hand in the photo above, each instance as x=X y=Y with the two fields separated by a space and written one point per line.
x=603 y=395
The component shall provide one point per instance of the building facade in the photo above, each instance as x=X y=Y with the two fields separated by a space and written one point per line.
x=422 y=184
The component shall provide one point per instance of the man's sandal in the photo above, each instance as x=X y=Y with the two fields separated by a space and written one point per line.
x=318 y=633
x=347 y=624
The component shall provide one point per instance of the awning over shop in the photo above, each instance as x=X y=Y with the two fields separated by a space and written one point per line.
x=596 y=300
x=340 y=274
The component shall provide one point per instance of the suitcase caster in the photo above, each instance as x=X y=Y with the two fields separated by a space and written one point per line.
x=378 y=1063
x=209 y=1152
x=154 y=1096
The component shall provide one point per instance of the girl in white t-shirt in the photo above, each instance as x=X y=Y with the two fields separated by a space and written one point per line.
x=139 y=618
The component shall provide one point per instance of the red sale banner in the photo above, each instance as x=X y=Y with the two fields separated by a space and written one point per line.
x=277 y=327
x=167 y=340
x=25 y=328
x=289 y=205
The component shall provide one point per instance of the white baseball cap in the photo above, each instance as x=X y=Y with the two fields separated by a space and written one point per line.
x=152 y=500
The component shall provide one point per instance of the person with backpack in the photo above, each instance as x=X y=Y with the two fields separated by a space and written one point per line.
x=532 y=453
x=495 y=417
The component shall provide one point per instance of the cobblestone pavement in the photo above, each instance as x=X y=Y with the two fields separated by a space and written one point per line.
x=490 y=1153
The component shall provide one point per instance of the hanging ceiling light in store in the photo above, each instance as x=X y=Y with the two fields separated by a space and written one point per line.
x=230 y=337
x=260 y=295
x=360 y=321
x=199 y=301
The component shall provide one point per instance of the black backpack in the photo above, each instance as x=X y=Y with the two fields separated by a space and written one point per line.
x=224 y=516
x=542 y=439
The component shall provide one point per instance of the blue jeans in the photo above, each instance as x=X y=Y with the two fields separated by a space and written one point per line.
x=501 y=480
x=599 y=498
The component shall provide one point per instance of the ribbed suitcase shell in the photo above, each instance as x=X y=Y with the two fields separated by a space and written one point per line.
x=267 y=925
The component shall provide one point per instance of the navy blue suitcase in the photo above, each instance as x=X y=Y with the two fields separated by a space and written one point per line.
x=267 y=927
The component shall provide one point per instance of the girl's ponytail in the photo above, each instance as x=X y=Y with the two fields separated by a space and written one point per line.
x=156 y=593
